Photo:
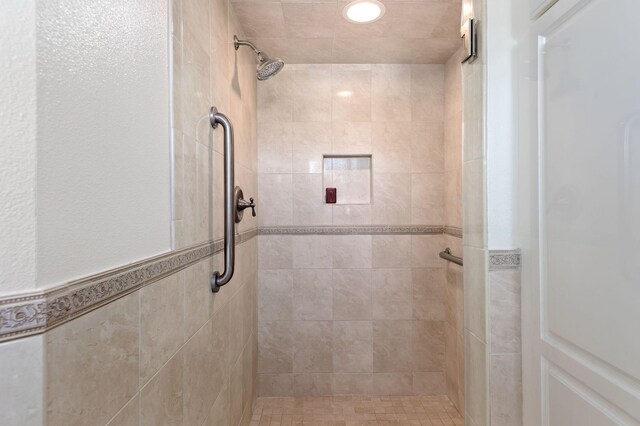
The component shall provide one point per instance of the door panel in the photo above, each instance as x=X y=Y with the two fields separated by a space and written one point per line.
x=585 y=249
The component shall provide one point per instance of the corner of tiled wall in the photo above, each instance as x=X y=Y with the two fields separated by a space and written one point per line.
x=475 y=254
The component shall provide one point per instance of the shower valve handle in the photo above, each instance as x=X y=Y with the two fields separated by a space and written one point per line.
x=244 y=204
x=253 y=207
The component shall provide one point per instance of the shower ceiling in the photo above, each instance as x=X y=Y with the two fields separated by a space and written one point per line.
x=424 y=32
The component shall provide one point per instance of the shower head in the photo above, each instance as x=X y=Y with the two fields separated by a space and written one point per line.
x=268 y=67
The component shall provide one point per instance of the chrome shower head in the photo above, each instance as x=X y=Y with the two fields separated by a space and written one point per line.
x=268 y=67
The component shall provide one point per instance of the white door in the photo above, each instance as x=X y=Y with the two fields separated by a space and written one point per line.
x=581 y=260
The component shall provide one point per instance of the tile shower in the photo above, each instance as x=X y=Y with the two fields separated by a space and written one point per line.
x=353 y=298
x=344 y=299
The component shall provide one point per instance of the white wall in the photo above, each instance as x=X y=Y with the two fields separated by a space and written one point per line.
x=502 y=121
x=103 y=149
x=17 y=145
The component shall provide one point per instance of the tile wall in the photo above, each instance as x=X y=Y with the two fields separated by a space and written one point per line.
x=393 y=112
x=352 y=314
x=474 y=219
x=173 y=352
x=505 y=349
x=454 y=331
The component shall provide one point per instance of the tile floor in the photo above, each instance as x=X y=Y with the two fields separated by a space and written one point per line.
x=360 y=410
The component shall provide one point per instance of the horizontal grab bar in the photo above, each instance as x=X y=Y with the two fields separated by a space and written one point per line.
x=446 y=255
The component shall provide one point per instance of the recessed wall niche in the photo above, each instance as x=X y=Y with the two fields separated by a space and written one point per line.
x=350 y=175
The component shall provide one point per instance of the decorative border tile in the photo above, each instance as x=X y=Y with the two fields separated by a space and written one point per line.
x=504 y=259
x=453 y=231
x=30 y=314
x=352 y=230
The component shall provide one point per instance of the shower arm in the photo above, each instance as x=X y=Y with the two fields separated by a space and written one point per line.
x=237 y=43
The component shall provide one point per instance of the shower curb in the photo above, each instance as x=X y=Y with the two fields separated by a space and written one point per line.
x=35 y=313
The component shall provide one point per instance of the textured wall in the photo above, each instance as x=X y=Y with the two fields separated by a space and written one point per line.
x=352 y=314
x=103 y=188
x=17 y=139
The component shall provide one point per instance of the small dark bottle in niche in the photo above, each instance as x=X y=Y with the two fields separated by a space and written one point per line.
x=330 y=196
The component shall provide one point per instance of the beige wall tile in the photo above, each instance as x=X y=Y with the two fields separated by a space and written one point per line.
x=391 y=146
x=312 y=294
x=425 y=251
x=392 y=346
x=236 y=403
x=275 y=339
x=391 y=93
x=275 y=294
x=312 y=251
x=428 y=346
x=476 y=380
x=392 y=296
x=428 y=288
x=352 y=215
x=475 y=295
x=352 y=294
x=429 y=383
x=353 y=384
x=275 y=147
x=219 y=412
x=506 y=390
x=197 y=296
x=427 y=92
x=308 y=200
x=351 y=137
x=351 y=93
x=312 y=346
x=351 y=251
x=504 y=311
x=161 y=324
x=352 y=346
x=129 y=415
x=204 y=370
x=311 y=90
x=310 y=142
x=312 y=384
x=237 y=319
x=474 y=213
x=275 y=252
x=161 y=400
x=427 y=147
x=22 y=368
x=92 y=353
x=275 y=384
x=275 y=98
x=392 y=384
x=427 y=198
x=391 y=251
x=391 y=198
x=278 y=190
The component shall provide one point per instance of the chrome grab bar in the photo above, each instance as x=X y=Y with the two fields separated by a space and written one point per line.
x=218 y=279
x=446 y=255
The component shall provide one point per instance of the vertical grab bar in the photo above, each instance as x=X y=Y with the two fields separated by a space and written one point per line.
x=218 y=279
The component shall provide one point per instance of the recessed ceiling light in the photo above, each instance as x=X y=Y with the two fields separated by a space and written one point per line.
x=363 y=11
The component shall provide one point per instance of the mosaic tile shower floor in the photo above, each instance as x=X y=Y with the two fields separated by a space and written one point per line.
x=352 y=411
